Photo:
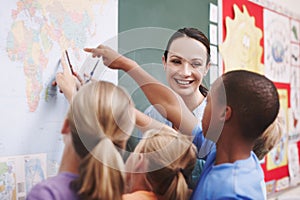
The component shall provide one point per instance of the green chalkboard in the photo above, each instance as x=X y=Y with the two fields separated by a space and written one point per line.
x=144 y=44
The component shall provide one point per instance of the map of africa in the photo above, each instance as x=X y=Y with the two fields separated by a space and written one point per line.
x=33 y=35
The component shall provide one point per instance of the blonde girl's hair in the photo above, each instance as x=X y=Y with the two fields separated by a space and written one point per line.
x=171 y=158
x=101 y=118
x=269 y=139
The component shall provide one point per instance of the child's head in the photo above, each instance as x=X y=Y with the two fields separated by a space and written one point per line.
x=101 y=109
x=186 y=60
x=101 y=117
x=249 y=101
x=270 y=138
x=170 y=158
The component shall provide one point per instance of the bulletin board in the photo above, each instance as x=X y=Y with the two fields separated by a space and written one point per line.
x=266 y=39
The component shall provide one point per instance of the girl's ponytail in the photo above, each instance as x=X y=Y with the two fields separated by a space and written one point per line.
x=101 y=173
x=171 y=158
x=178 y=189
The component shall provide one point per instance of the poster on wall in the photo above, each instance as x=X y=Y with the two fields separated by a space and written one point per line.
x=294 y=168
x=8 y=182
x=277 y=46
x=295 y=104
x=241 y=48
x=295 y=54
x=295 y=31
x=19 y=173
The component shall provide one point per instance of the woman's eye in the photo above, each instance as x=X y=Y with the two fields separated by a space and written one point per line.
x=196 y=64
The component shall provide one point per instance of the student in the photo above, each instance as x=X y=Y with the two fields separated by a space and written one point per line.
x=95 y=127
x=252 y=104
x=269 y=139
x=160 y=166
x=240 y=106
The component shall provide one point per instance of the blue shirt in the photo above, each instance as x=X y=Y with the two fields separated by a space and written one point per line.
x=243 y=179
x=207 y=144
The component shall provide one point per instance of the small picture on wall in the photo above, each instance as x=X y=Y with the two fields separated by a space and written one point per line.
x=295 y=53
x=295 y=31
x=277 y=44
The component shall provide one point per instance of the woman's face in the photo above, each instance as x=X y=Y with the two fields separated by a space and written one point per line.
x=186 y=65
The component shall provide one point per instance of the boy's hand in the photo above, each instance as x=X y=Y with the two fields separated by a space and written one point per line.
x=111 y=58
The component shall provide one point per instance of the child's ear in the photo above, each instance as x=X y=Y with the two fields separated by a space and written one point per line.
x=140 y=163
x=228 y=113
x=66 y=127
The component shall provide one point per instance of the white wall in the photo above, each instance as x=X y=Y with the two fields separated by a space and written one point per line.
x=292 y=5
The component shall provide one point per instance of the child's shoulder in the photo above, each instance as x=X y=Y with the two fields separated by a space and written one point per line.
x=250 y=179
x=54 y=188
x=243 y=178
x=239 y=173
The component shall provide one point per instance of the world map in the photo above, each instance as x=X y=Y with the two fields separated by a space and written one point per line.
x=40 y=25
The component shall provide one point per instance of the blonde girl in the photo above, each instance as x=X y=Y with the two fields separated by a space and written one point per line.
x=160 y=166
x=100 y=119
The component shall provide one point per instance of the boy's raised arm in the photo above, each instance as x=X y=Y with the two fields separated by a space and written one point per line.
x=167 y=102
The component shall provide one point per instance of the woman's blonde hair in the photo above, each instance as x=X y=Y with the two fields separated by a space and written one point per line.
x=101 y=118
x=269 y=139
x=171 y=158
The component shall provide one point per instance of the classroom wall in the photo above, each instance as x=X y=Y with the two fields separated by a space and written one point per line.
x=291 y=5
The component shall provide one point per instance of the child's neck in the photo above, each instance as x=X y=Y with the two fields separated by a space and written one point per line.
x=137 y=182
x=232 y=151
x=222 y=158
x=70 y=160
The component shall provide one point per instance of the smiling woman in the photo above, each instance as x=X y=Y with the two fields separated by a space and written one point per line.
x=186 y=61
